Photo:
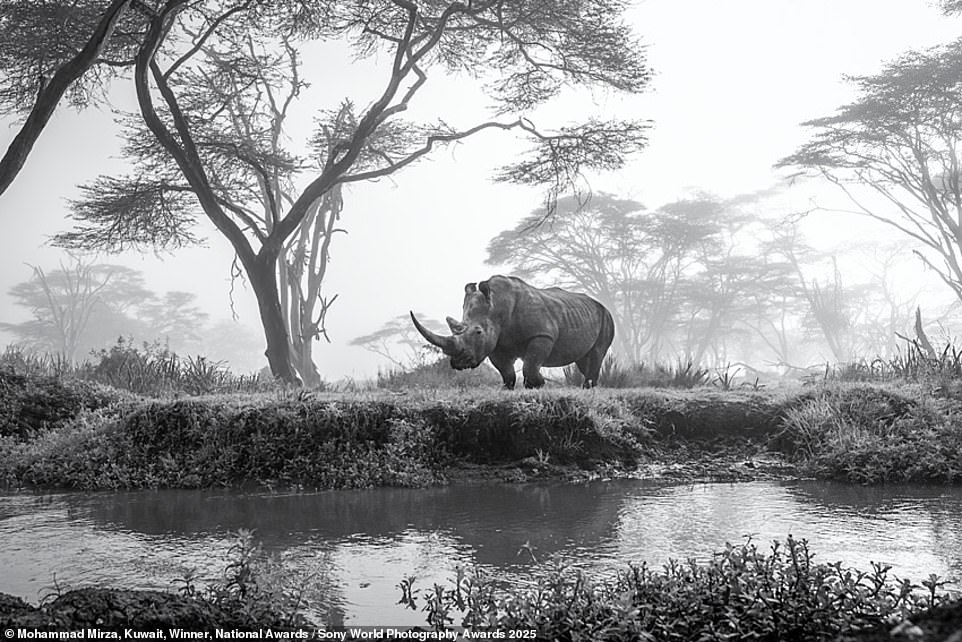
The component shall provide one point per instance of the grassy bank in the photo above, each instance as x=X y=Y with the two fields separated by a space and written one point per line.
x=72 y=434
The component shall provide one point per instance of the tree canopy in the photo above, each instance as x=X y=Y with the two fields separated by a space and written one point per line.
x=900 y=139
x=210 y=75
x=669 y=276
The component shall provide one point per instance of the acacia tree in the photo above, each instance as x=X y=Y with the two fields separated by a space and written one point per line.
x=900 y=141
x=637 y=263
x=713 y=303
x=46 y=48
x=257 y=88
x=175 y=319
x=772 y=308
x=890 y=309
x=834 y=310
x=399 y=333
x=531 y=49
x=720 y=282
x=64 y=301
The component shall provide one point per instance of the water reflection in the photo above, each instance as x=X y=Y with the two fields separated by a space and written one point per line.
x=353 y=547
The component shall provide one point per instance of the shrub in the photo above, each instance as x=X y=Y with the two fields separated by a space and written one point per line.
x=255 y=588
x=683 y=374
x=437 y=374
x=36 y=402
x=741 y=593
x=154 y=370
x=869 y=435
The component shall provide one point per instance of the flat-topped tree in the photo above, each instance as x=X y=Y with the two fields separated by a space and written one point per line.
x=895 y=153
x=76 y=307
x=194 y=155
x=648 y=267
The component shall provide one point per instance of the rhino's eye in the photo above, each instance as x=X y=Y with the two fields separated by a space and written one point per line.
x=478 y=330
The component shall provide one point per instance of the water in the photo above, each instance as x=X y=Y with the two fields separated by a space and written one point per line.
x=351 y=548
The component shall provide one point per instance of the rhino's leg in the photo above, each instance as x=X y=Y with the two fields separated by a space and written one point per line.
x=535 y=355
x=505 y=366
x=590 y=367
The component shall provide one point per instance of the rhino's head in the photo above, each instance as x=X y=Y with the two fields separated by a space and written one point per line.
x=474 y=337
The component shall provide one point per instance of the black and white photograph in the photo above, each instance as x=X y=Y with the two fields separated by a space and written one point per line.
x=574 y=320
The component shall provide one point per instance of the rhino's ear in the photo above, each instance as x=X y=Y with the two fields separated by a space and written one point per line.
x=456 y=326
x=470 y=287
x=485 y=289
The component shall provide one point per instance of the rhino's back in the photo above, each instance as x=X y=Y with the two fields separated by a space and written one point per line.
x=572 y=320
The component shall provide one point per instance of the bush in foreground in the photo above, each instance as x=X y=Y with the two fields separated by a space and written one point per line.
x=740 y=594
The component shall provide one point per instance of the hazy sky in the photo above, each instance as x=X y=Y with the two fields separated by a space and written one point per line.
x=733 y=80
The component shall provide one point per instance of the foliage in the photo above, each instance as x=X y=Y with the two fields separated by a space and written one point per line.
x=39 y=38
x=740 y=593
x=154 y=370
x=63 y=432
x=255 y=586
x=939 y=370
x=681 y=374
x=306 y=440
x=151 y=369
x=894 y=152
x=32 y=400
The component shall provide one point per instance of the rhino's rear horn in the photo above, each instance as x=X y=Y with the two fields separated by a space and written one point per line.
x=445 y=343
x=456 y=326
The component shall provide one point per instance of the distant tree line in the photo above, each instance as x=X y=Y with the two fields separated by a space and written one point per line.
x=702 y=279
x=82 y=307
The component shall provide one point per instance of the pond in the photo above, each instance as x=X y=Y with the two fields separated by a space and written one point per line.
x=351 y=548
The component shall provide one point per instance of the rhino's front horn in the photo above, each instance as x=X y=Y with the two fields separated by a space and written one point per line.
x=445 y=343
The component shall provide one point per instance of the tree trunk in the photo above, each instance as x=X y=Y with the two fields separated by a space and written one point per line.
x=303 y=353
x=923 y=339
x=261 y=274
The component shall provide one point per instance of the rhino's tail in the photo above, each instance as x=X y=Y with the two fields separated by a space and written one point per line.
x=595 y=357
x=607 y=333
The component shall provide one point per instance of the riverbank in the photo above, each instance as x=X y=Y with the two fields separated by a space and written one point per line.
x=865 y=433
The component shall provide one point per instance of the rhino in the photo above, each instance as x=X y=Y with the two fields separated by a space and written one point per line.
x=505 y=319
